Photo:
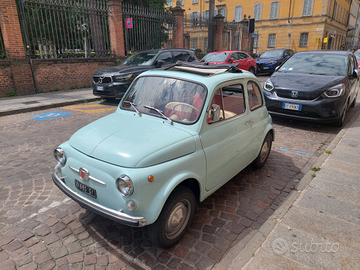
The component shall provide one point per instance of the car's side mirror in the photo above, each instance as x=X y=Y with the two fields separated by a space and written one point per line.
x=159 y=63
x=214 y=113
x=231 y=60
x=355 y=73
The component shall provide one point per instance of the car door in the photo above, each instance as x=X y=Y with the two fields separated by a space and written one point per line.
x=258 y=116
x=226 y=136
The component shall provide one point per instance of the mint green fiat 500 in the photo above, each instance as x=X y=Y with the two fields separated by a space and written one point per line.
x=176 y=137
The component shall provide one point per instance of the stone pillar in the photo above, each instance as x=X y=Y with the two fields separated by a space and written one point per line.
x=178 y=26
x=116 y=27
x=245 y=39
x=219 y=29
x=20 y=67
x=187 y=40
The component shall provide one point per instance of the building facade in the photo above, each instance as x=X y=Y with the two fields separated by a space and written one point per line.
x=295 y=24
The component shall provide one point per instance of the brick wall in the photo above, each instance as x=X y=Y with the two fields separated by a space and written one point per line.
x=6 y=78
x=67 y=74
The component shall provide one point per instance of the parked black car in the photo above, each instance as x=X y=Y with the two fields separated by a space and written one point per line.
x=316 y=86
x=114 y=81
x=269 y=60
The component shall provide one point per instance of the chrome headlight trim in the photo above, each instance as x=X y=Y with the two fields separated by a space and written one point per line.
x=335 y=91
x=60 y=156
x=125 y=185
x=268 y=85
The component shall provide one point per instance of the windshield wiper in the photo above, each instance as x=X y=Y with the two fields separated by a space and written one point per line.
x=133 y=105
x=159 y=111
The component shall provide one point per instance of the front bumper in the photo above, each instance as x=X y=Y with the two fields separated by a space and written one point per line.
x=97 y=208
x=320 y=111
x=111 y=90
x=265 y=68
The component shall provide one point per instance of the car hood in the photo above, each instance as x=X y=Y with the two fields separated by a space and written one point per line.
x=111 y=71
x=266 y=60
x=130 y=140
x=309 y=86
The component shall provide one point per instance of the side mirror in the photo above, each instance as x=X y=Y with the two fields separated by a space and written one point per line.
x=159 y=63
x=231 y=60
x=355 y=73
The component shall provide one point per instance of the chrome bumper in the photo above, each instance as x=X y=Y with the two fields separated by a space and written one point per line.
x=97 y=208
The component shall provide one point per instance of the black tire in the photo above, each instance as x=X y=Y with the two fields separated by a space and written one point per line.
x=264 y=152
x=179 y=208
x=340 y=122
x=252 y=70
x=354 y=102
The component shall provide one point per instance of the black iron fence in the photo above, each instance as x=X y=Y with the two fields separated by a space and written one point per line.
x=2 y=47
x=65 y=28
x=145 y=28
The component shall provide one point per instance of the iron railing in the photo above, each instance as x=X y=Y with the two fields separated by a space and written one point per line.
x=2 y=47
x=150 y=27
x=65 y=28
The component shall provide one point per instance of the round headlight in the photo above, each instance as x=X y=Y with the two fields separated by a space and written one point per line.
x=60 y=156
x=125 y=185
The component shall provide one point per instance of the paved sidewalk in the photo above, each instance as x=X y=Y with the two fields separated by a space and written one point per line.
x=318 y=226
x=42 y=101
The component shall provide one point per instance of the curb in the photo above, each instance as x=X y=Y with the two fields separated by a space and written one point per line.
x=47 y=106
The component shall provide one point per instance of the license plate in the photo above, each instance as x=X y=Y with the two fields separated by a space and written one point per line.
x=266 y=67
x=86 y=189
x=289 y=106
x=100 y=88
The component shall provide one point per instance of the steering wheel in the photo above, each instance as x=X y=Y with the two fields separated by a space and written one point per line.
x=186 y=104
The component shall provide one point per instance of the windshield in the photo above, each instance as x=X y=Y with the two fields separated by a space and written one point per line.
x=272 y=54
x=215 y=57
x=316 y=63
x=173 y=99
x=144 y=58
x=357 y=55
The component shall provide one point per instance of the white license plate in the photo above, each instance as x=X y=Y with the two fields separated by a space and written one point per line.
x=100 y=88
x=289 y=106
x=266 y=67
x=86 y=189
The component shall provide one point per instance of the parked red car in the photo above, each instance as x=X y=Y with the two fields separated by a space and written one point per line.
x=357 y=55
x=243 y=60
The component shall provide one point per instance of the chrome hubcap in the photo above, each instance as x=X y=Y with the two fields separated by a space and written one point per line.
x=178 y=219
x=264 y=151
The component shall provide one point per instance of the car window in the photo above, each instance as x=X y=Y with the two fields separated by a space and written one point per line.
x=215 y=57
x=144 y=58
x=243 y=55
x=235 y=56
x=166 y=57
x=181 y=56
x=227 y=102
x=177 y=99
x=357 y=55
x=325 y=63
x=272 y=54
x=254 y=95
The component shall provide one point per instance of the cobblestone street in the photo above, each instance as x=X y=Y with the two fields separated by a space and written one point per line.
x=41 y=228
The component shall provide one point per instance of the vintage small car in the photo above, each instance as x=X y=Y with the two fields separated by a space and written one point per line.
x=177 y=136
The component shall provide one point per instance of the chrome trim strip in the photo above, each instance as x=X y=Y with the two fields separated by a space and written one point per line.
x=97 y=208
x=90 y=177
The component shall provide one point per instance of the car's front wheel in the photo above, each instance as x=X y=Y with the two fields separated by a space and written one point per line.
x=174 y=219
x=264 y=152
x=252 y=70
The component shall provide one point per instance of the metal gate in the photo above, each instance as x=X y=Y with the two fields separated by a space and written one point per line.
x=150 y=27
x=65 y=28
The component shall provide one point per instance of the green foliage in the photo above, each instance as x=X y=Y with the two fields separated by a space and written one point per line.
x=315 y=169
x=11 y=94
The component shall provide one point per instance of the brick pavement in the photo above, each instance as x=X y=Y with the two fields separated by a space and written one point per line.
x=41 y=228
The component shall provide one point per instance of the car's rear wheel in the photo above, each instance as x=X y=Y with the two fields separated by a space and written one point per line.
x=175 y=218
x=264 y=152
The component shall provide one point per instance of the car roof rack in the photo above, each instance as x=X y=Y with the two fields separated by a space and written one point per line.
x=204 y=69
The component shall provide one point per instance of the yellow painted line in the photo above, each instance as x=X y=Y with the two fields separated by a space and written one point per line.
x=91 y=108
